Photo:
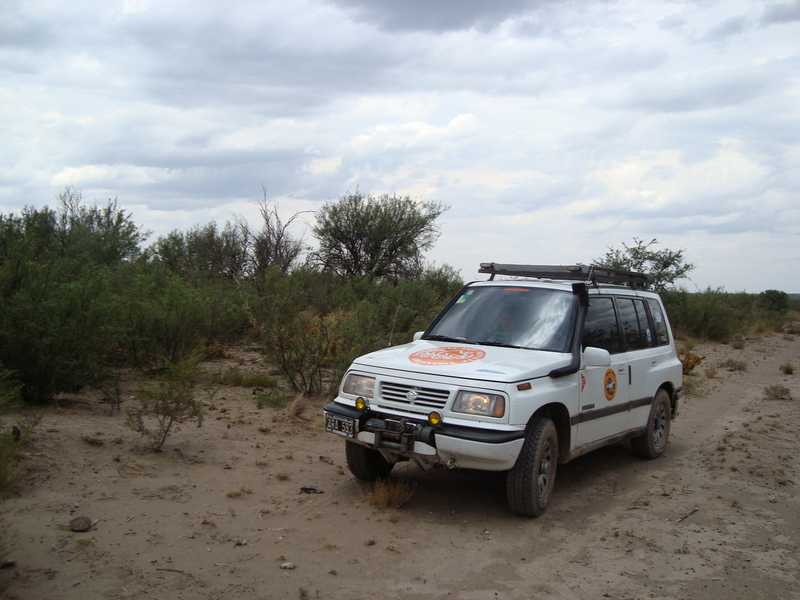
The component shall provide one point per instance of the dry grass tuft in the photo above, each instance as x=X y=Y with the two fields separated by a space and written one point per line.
x=239 y=493
x=390 y=493
x=787 y=368
x=296 y=409
x=97 y=439
x=777 y=392
x=738 y=344
x=733 y=365
x=693 y=387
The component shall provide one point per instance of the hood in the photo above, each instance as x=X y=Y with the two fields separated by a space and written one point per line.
x=444 y=359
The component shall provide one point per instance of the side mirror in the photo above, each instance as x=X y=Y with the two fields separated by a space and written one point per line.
x=418 y=335
x=596 y=357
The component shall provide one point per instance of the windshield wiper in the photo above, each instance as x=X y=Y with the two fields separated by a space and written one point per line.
x=447 y=338
x=499 y=344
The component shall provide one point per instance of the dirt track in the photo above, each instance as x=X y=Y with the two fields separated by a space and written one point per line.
x=220 y=510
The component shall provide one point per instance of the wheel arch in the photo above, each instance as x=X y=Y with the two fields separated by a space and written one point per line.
x=559 y=415
x=670 y=389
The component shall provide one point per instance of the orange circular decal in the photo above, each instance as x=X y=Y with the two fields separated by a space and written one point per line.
x=454 y=355
x=610 y=385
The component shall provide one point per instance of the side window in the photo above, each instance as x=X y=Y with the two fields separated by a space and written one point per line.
x=662 y=337
x=601 y=329
x=644 y=324
x=635 y=325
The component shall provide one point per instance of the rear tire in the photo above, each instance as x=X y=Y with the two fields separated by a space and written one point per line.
x=654 y=441
x=530 y=481
x=366 y=463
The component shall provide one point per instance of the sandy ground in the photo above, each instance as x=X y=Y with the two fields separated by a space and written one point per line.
x=222 y=509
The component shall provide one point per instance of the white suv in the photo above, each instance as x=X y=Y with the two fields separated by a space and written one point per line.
x=518 y=375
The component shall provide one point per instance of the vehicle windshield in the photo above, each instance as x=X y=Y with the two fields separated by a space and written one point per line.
x=517 y=317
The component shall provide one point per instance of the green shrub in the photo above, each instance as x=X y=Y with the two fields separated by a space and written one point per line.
x=312 y=325
x=706 y=315
x=163 y=318
x=774 y=300
x=55 y=314
x=56 y=333
x=10 y=437
x=716 y=315
x=242 y=379
x=167 y=402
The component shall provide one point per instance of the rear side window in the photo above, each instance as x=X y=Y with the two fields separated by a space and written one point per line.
x=660 y=323
x=601 y=329
x=635 y=324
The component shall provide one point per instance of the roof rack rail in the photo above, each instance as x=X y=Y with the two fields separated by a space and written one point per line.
x=585 y=273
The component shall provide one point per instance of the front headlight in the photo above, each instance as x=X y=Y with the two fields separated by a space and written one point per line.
x=359 y=385
x=477 y=403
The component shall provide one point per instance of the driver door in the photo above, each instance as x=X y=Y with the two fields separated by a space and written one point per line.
x=604 y=390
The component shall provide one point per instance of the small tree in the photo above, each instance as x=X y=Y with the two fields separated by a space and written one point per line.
x=378 y=237
x=204 y=250
x=665 y=266
x=273 y=246
x=102 y=235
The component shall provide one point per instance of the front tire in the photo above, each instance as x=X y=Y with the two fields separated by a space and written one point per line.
x=530 y=481
x=654 y=441
x=366 y=463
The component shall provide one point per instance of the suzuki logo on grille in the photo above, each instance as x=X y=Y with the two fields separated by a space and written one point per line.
x=412 y=396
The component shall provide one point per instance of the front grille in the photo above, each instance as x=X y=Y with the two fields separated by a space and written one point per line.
x=411 y=395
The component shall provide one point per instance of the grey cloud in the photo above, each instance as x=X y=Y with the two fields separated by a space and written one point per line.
x=784 y=12
x=439 y=15
x=702 y=92
x=672 y=22
x=727 y=28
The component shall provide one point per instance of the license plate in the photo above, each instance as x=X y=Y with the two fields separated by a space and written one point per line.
x=344 y=426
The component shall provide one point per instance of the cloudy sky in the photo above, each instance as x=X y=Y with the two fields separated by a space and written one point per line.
x=552 y=129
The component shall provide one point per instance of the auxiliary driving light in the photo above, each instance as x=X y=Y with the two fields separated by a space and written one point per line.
x=361 y=404
x=434 y=418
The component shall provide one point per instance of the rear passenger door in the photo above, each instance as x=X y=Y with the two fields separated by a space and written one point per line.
x=641 y=356
x=604 y=391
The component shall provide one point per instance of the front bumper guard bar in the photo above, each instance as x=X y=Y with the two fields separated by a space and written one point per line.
x=400 y=433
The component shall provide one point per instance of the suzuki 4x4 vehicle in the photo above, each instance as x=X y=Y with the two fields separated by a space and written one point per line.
x=518 y=375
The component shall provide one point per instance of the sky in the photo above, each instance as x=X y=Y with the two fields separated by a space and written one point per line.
x=552 y=130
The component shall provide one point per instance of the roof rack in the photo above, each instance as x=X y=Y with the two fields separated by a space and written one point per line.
x=585 y=273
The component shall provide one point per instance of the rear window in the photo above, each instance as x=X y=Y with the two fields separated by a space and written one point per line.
x=659 y=321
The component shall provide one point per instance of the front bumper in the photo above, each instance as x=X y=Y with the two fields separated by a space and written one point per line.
x=451 y=445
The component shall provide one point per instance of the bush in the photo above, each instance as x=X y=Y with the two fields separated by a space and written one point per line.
x=312 y=325
x=168 y=402
x=55 y=315
x=55 y=333
x=163 y=318
x=719 y=316
x=774 y=300
x=707 y=315
x=10 y=437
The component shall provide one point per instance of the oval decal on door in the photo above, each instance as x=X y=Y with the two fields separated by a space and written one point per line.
x=453 y=355
x=610 y=385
